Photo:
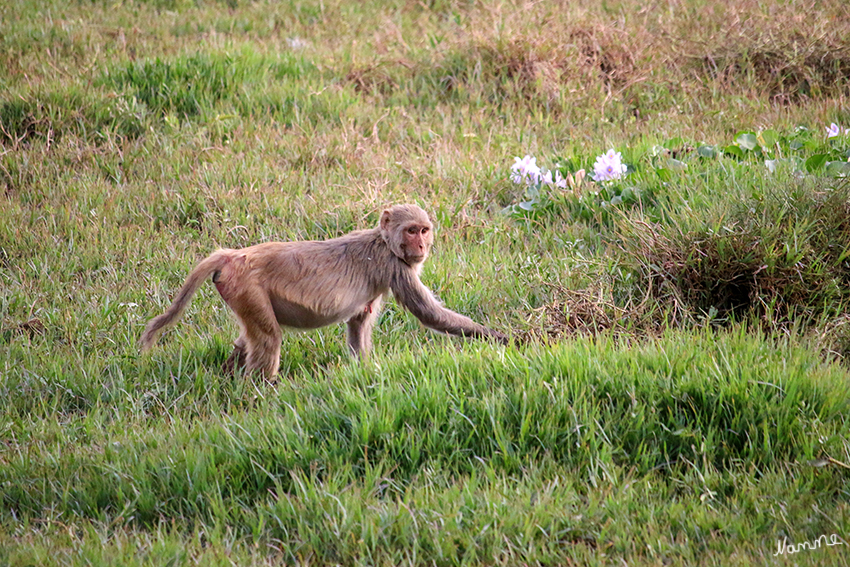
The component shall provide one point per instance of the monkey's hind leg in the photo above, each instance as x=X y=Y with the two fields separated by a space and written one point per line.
x=262 y=336
x=238 y=358
x=360 y=329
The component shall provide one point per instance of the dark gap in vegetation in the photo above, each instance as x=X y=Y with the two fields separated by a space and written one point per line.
x=32 y=328
x=376 y=78
x=815 y=74
x=787 y=63
x=536 y=70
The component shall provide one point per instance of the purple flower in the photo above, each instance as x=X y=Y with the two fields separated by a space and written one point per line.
x=609 y=166
x=834 y=130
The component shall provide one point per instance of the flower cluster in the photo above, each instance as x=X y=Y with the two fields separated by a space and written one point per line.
x=608 y=166
x=833 y=131
x=585 y=195
x=527 y=171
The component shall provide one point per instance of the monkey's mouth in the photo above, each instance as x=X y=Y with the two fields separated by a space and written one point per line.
x=414 y=258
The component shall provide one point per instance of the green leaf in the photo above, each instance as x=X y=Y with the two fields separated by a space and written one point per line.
x=532 y=194
x=709 y=152
x=747 y=141
x=815 y=162
x=676 y=165
x=838 y=168
x=734 y=151
x=768 y=139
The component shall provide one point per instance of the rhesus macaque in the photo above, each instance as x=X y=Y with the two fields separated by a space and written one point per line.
x=307 y=285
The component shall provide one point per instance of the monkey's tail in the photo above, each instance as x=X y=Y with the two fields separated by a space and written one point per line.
x=207 y=267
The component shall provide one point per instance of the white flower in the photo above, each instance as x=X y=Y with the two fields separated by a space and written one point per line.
x=546 y=177
x=297 y=43
x=525 y=170
x=560 y=182
x=609 y=166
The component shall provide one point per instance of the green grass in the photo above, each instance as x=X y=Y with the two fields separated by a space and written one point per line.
x=677 y=391
x=545 y=449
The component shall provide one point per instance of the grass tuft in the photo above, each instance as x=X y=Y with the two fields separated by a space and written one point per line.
x=780 y=257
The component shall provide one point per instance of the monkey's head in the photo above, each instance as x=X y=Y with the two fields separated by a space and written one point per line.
x=408 y=232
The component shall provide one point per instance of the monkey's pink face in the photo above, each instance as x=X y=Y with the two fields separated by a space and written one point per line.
x=416 y=240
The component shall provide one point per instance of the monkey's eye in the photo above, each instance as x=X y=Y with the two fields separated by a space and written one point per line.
x=424 y=230
x=411 y=230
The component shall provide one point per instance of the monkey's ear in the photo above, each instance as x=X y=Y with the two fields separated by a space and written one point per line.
x=385 y=219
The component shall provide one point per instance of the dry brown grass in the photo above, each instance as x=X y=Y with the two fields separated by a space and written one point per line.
x=585 y=312
x=788 y=52
x=645 y=57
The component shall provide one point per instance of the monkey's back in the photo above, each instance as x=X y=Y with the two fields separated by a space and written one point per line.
x=315 y=283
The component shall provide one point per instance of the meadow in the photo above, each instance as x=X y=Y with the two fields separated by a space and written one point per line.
x=676 y=389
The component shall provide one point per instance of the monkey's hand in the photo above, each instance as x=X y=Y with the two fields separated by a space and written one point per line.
x=498 y=336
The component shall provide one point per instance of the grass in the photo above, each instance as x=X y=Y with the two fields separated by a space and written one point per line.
x=544 y=449
x=677 y=390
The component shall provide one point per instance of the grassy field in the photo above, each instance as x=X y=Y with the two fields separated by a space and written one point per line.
x=677 y=388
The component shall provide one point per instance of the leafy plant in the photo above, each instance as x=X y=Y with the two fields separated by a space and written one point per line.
x=616 y=185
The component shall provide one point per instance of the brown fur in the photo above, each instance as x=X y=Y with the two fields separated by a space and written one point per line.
x=306 y=285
